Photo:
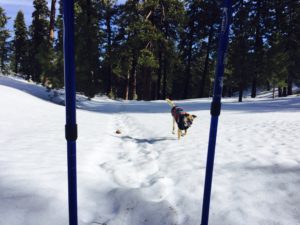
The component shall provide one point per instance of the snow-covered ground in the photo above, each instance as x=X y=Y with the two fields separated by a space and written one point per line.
x=145 y=176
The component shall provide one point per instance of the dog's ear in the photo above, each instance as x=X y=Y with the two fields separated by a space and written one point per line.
x=194 y=116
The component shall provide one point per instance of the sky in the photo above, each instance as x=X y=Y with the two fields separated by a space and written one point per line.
x=12 y=7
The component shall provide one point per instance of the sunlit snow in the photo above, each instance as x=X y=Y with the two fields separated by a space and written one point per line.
x=145 y=176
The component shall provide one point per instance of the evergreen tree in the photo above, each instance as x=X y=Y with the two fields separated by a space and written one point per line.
x=166 y=16
x=121 y=53
x=239 y=54
x=4 y=44
x=210 y=20
x=292 y=42
x=87 y=41
x=191 y=42
x=52 y=20
x=197 y=46
x=132 y=23
x=260 y=9
x=158 y=48
x=275 y=57
x=20 y=45
x=108 y=10
x=57 y=77
x=39 y=32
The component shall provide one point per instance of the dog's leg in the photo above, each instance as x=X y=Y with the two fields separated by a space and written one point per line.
x=173 y=129
x=185 y=132
x=179 y=133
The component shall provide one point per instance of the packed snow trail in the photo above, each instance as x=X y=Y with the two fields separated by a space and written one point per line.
x=141 y=192
x=145 y=175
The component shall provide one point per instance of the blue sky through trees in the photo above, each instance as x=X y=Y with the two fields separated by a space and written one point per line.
x=12 y=7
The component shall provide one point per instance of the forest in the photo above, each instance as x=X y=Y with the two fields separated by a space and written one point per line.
x=153 y=49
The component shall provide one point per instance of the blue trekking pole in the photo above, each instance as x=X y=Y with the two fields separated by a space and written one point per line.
x=216 y=108
x=71 y=126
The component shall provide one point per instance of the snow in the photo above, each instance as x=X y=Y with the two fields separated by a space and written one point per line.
x=145 y=175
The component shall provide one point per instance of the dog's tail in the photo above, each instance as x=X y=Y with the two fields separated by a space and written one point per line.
x=170 y=102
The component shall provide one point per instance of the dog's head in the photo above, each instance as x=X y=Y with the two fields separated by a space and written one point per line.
x=188 y=119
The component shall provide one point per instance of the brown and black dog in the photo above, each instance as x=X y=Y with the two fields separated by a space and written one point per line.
x=183 y=120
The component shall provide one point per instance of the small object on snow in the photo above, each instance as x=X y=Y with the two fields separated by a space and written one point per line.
x=118 y=131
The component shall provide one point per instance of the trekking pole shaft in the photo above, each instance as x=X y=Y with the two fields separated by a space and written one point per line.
x=216 y=109
x=70 y=100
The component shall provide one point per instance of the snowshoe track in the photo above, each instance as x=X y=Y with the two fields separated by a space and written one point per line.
x=141 y=190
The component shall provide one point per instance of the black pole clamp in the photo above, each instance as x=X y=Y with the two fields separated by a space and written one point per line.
x=215 y=108
x=71 y=132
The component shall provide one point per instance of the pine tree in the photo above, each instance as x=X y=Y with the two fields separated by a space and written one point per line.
x=108 y=11
x=257 y=17
x=4 y=44
x=57 y=69
x=166 y=16
x=121 y=53
x=193 y=45
x=87 y=41
x=277 y=57
x=20 y=45
x=239 y=48
x=259 y=48
x=132 y=24
x=210 y=21
x=190 y=42
x=292 y=42
x=39 y=32
x=297 y=39
x=158 y=48
x=52 y=20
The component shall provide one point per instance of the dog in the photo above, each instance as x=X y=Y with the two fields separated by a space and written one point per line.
x=183 y=120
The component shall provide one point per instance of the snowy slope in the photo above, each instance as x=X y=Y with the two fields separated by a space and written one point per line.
x=145 y=175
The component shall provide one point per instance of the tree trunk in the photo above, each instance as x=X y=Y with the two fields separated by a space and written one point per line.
x=153 y=89
x=268 y=86
x=164 y=93
x=147 y=85
x=189 y=62
x=132 y=80
x=229 y=91
x=289 y=85
x=211 y=89
x=279 y=91
x=289 y=89
x=127 y=85
x=159 y=74
x=284 y=92
x=254 y=87
x=206 y=64
x=188 y=75
x=16 y=63
x=241 y=89
x=52 y=20
x=258 y=49
x=2 y=64
x=109 y=67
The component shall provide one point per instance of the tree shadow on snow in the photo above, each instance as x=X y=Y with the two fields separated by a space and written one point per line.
x=146 y=140
x=275 y=169
x=265 y=105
